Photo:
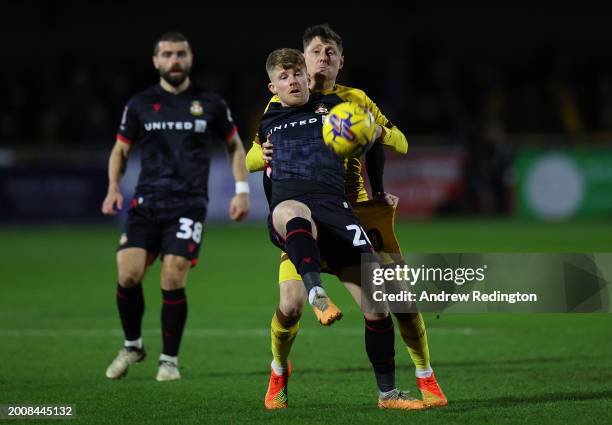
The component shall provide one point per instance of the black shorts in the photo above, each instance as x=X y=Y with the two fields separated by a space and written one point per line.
x=340 y=237
x=161 y=231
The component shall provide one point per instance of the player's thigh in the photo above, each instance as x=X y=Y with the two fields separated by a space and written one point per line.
x=141 y=230
x=286 y=269
x=175 y=269
x=131 y=265
x=287 y=210
x=342 y=241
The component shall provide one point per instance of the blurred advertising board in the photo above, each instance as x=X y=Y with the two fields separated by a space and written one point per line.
x=563 y=184
x=61 y=193
x=427 y=181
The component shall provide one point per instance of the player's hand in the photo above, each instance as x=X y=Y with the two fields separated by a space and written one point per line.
x=113 y=199
x=388 y=198
x=239 y=207
x=267 y=150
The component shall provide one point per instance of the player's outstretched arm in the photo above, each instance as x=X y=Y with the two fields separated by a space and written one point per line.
x=239 y=205
x=254 y=157
x=391 y=136
x=116 y=167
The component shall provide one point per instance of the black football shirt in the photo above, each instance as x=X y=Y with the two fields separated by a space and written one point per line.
x=176 y=135
x=302 y=164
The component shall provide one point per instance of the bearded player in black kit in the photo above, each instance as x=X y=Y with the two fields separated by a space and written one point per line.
x=176 y=126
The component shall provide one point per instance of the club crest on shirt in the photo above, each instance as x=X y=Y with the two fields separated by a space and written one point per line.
x=321 y=109
x=196 y=108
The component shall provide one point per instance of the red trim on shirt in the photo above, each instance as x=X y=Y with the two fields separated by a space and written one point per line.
x=231 y=133
x=124 y=139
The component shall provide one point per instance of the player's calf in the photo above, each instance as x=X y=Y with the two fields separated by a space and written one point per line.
x=379 y=339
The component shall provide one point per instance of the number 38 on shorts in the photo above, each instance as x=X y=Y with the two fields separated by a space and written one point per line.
x=189 y=229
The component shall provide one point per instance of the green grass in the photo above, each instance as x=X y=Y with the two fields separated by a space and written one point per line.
x=59 y=330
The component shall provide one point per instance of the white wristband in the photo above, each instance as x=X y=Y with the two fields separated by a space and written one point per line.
x=242 y=187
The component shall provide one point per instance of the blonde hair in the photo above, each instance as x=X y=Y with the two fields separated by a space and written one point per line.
x=285 y=58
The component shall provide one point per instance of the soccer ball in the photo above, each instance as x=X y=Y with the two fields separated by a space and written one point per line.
x=349 y=129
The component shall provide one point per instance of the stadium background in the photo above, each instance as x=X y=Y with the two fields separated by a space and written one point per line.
x=508 y=113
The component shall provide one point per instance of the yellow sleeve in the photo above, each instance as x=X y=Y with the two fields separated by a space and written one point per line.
x=393 y=136
x=254 y=160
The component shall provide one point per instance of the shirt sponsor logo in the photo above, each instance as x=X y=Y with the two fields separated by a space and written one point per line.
x=200 y=126
x=295 y=124
x=321 y=109
x=168 y=125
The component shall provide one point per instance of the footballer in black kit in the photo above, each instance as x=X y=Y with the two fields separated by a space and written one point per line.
x=176 y=135
x=311 y=220
x=176 y=126
x=304 y=169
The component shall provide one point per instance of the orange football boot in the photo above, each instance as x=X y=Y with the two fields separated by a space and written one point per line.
x=326 y=311
x=431 y=391
x=276 y=396
x=401 y=401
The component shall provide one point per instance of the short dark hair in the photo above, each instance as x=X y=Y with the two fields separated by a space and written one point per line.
x=172 y=36
x=324 y=32
x=285 y=58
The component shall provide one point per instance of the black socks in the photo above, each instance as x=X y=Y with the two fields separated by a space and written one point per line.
x=380 y=346
x=130 y=304
x=173 y=318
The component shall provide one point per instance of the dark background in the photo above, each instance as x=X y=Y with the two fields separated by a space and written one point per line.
x=434 y=68
x=481 y=79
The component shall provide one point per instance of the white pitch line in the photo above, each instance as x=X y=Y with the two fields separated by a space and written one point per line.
x=219 y=332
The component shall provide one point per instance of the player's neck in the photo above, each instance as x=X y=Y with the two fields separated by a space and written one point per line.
x=286 y=105
x=172 y=89
x=321 y=85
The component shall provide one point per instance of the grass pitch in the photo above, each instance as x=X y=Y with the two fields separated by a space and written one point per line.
x=59 y=330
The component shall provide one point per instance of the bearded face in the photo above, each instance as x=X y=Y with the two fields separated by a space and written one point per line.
x=173 y=60
x=176 y=74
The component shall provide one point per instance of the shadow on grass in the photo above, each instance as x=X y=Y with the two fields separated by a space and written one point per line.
x=410 y=367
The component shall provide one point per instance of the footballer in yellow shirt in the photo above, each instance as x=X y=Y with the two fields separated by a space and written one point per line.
x=323 y=54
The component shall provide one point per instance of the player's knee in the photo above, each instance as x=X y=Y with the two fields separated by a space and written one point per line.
x=173 y=279
x=130 y=276
x=293 y=297
x=174 y=272
x=288 y=210
x=292 y=309
x=373 y=317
